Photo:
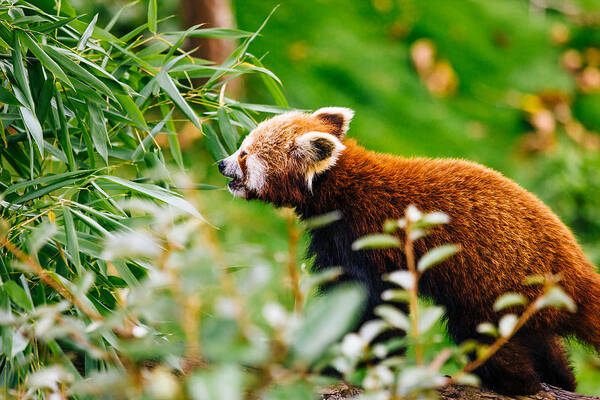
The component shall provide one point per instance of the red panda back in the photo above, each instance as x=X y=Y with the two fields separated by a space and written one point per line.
x=506 y=233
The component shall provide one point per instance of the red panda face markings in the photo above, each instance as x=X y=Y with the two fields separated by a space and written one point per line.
x=293 y=144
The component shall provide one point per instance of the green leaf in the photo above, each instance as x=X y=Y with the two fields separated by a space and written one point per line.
x=46 y=61
x=215 y=33
x=45 y=190
x=44 y=100
x=72 y=240
x=394 y=317
x=487 y=328
x=63 y=131
x=7 y=97
x=21 y=73
x=214 y=144
x=322 y=220
x=326 y=320
x=507 y=324
x=314 y=279
x=429 y=317
x=157 y=193
x=3 y=133
x=228 y=132
x=376 y=241
x=40 y=235
x=17 y=295
x=403 y=278
x=33 y=127
x=47 y=179
x=167 y=84
x=270 y=80
x=436 y=256
x=152 y=25
x=509 y=300
x=117 y=15
x=87 y=33
x=125 y=273
x=132 y=110
x=98 y=130
x=173 y=139
x=556 y=297
x=145 y=144
x=97 y=33
x=83 y=74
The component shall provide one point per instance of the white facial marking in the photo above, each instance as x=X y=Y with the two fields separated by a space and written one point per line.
x=255 y=170
x=257 y=173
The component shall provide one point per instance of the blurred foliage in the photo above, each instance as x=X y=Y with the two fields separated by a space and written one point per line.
x=82 y=110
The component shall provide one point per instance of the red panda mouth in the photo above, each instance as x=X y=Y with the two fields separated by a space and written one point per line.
x=236 y=184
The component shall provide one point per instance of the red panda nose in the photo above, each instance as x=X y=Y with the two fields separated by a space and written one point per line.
x=221 y=166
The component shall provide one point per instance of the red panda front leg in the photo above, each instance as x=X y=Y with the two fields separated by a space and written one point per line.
x=551 y=362
x=511 y=371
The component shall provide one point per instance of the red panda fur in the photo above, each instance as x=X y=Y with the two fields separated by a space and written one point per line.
x=505 y=234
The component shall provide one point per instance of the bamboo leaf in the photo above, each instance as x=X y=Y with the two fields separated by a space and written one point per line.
x=33 y=127
x=87 y=33
x=132 y=110
x=214 y=144
x=72 y=240
x=63 y=132
x=45 y=190
x=21 y=73
x=17 y=295
x=167 y=84
x=215 y=33
x=98 y=130
x=46 y=61
x=152 y=24
x=173 y=139
x=7 y=97
x=77 y=70
x=157 y=193
x=228 y=132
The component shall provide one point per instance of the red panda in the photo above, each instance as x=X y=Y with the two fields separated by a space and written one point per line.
x=301 y=160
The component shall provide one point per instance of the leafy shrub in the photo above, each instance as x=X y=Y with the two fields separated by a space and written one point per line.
x=81 y=110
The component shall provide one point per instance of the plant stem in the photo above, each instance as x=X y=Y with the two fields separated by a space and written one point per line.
x=414 y=293
x=293 y=237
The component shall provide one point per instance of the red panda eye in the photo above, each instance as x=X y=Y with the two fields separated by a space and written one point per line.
x=243 y=155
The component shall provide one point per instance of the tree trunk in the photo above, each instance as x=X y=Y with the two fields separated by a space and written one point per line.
x=461 y=392
x=213 y=14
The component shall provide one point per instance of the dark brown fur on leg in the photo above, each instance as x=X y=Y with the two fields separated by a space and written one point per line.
x=551 y=362
x=511 y=370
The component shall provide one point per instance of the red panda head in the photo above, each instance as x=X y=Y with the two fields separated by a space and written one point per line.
x=279 y=159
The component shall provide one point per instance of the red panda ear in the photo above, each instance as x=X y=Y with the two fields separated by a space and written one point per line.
x=338 y=118
x=320 y=150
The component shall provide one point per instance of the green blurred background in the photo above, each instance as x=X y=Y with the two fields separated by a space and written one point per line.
x=513 y=84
